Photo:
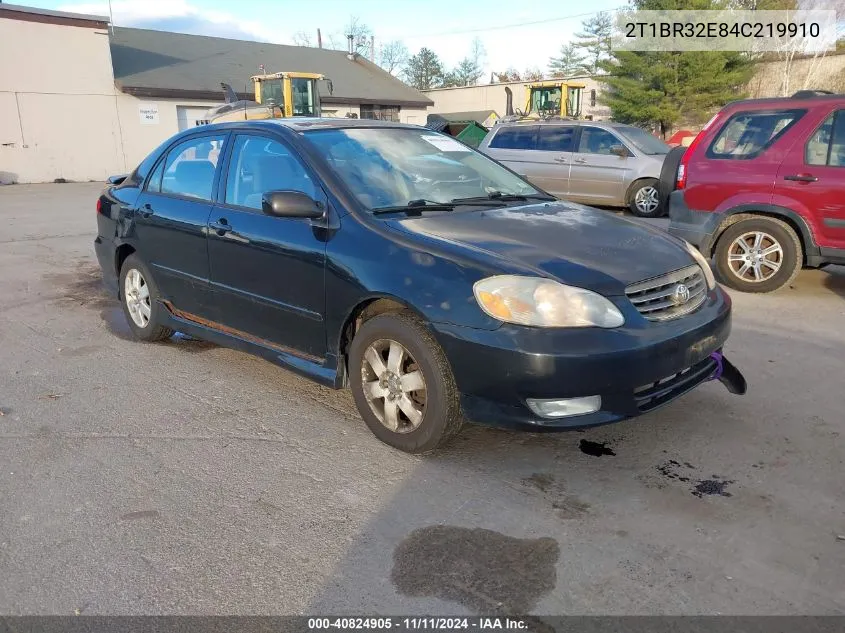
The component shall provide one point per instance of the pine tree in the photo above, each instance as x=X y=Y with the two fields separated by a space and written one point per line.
x=595 y=40
x=570 y=62
x=424 y=70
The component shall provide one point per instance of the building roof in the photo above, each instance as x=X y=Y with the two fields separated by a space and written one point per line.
x=162 y=64
x=33 y=14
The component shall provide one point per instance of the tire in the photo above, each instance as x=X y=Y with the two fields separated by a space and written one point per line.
x=441 y=416
x=649 y=206
x=774 y=233
x=669 y=175
x=149 y=329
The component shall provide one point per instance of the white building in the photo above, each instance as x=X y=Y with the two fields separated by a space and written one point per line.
x=79 y=101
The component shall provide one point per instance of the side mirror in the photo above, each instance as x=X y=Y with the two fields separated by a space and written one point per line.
x=619 y=150
x=290 y=204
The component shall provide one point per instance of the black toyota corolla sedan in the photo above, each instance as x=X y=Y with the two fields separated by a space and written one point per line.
x=437 y=284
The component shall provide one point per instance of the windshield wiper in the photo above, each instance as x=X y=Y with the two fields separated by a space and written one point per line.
x=504 y=197
x=416 y=206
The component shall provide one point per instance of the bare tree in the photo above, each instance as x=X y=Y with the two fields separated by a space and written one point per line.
x=477 y=53
x=301 y=38
x=532 y=74
x=360 y=33
x=393 y=56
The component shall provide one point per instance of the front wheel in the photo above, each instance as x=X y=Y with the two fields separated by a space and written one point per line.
x=758 y=255
x=644 y=201
x=402 y=383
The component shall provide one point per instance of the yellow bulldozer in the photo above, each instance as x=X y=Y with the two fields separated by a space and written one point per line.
x=277 y=95
x=547 y=99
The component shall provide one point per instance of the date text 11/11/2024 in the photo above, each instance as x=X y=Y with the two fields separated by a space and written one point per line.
x=418 y=623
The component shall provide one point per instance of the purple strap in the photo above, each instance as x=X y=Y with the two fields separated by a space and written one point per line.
x=717 y=373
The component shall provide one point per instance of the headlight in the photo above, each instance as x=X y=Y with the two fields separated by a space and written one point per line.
x=705 y=265
x=544 y=303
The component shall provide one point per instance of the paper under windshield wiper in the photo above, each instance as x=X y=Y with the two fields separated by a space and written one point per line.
x=416 y=206
x=496 y=196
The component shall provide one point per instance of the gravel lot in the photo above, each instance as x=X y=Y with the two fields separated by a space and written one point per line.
x=186 y=478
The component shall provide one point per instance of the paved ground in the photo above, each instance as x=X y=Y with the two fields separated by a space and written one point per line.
x=187 y=478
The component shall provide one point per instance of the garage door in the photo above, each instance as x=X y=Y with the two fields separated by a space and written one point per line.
x=187 y=116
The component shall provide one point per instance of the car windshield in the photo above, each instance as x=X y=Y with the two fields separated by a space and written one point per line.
x=387 y=167
x=643 y=141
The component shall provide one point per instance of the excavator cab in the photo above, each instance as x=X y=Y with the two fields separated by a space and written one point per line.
x=277 y=95
x=554 y=99
x=289 y=94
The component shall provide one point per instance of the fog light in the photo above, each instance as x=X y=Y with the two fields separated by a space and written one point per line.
x=563 y=408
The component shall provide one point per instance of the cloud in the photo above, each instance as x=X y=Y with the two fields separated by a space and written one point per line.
x=179 y=16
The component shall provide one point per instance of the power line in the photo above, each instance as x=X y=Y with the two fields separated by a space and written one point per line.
x=516 y=24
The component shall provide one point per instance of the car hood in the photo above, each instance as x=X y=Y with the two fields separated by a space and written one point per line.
x=574 y=244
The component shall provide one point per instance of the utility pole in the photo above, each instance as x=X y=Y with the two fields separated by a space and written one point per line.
x=319 y=39
x=373 y=48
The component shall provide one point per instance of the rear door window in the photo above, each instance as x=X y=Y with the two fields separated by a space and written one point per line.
x=747 y=134
x=516 y=137
x=827 y=144
x=190 y=166
x=556 y=138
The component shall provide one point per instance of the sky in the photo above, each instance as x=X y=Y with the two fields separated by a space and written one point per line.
x=518 y=34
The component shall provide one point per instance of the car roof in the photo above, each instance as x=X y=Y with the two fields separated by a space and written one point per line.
x=801 y=99
x=303 y=124
x=544 y=122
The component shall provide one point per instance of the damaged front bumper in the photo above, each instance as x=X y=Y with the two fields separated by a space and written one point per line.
x=614 y=374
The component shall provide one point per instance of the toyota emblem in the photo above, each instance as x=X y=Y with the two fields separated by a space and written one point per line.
x=680 y=295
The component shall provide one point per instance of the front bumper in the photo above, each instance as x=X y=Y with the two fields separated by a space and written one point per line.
x=634 y=369
x=696 y=227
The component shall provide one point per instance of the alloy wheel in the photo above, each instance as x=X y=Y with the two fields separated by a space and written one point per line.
x=646 y=199
x=137 y=296
x=755 y=256
x=394 y=385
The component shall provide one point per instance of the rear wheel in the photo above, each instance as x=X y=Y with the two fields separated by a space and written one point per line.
x=758 y=255
x=139 y=299
x=644 y=200
x=402 y=383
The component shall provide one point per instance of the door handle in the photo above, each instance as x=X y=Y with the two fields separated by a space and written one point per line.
x=147 y=211
x=579 y=160
x=561 y=159
x=801 y=178
x=222 y=226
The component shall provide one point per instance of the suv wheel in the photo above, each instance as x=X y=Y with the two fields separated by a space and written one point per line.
x=139 y=299
x=402 y=383
x=644 y=200
x=758 y=255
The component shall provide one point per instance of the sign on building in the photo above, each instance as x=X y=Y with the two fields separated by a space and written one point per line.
x=148 y=113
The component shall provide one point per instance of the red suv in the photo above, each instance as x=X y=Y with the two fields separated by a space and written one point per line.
x=762 y=188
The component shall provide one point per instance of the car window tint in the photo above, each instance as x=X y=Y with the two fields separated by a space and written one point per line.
x=747 y=134
x=259 y=165
x=189 y=169
x=827 y=144
x=155 y=180
x=596 y=141
x=515 y=137
x=555 y=138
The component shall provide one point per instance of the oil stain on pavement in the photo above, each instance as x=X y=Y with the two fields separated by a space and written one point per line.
x=483 y=570
x=568 y=506
x=85 y=287
x=594 y=448
x=715 y=485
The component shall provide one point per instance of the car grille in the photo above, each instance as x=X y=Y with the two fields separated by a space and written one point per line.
x=655 y=297
x=658 y=393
